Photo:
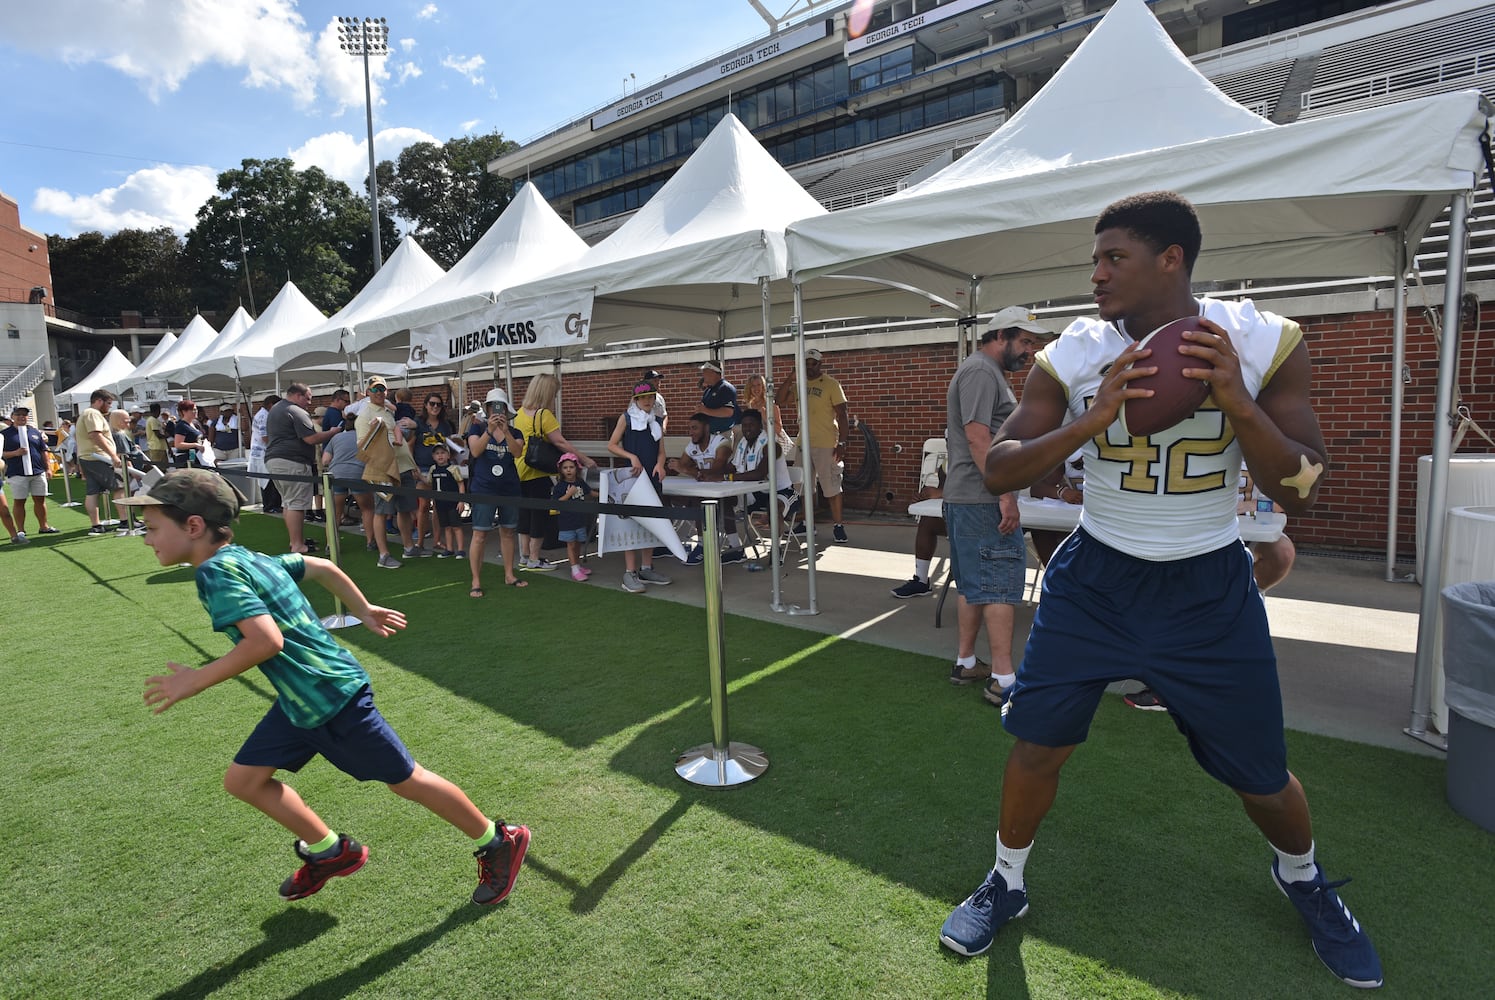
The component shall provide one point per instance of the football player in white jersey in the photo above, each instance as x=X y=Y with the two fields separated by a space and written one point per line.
x=1155 y=584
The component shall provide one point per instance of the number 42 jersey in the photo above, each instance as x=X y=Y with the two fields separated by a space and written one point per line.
x=1170 y=495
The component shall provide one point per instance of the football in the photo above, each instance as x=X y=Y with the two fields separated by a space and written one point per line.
x=1174 y=396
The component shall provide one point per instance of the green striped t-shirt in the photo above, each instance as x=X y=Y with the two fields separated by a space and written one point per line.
x=314 y=676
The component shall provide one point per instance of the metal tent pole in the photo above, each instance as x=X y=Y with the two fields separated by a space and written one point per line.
x=1443 y=423
x=807 y=503
x=1398 y=395
x=775 y=516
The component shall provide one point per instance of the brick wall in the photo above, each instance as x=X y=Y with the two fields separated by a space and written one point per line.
x=899 y=394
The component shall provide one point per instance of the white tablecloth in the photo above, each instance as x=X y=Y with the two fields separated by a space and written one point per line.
x=687 y=486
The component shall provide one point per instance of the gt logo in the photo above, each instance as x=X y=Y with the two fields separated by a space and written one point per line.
x=418 y=355
x=576 y=326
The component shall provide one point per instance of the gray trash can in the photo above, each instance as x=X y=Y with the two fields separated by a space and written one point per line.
x=1469 y=665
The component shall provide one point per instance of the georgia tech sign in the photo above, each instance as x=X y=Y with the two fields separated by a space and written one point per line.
x=736 y=62
x=554 y=321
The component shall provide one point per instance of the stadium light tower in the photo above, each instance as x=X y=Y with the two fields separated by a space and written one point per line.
x=367 y=36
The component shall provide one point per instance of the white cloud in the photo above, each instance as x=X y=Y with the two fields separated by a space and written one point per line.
x=467 y=126
x=406 y=44
x=426 y=13
x=156 y=196
x=469 y=66
x=159 y=43
x=346 y=158
x=407 y=71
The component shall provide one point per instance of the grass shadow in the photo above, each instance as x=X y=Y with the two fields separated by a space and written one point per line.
x=355 y=978
x=284 y=931
x=586 y=896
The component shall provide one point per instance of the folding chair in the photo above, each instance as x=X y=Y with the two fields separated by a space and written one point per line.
x=759 y=524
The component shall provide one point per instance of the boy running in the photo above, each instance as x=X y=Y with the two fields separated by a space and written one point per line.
x=325 y=704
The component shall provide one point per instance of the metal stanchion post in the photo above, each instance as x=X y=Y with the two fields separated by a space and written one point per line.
x=339 y=617
x=718 y=764
x=67 y=488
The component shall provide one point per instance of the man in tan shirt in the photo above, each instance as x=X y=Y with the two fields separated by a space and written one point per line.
x=97 y=456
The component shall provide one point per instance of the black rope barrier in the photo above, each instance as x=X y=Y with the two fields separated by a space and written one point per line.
x=693 y=514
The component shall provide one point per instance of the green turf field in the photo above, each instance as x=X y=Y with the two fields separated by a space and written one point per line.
x=128 y=872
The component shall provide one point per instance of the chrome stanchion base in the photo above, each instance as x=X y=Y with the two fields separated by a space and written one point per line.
x=795 y=609
x=737 y=765
x=1435 y=740
x=72 y=503
x=341 y=621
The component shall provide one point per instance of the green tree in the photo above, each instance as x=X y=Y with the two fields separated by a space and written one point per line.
x=447 y=194
x=134 y=269
x=298 y=225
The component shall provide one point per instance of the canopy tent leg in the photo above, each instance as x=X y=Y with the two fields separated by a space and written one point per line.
x=1443 y=424
x=775 y=517
x=1398 y=396
x=807 y=505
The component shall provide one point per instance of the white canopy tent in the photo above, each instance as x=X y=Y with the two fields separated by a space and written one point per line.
x=197 y=339
x=684 y=264
x=108 y=371
x=703 y=259
x=408 y=272
x=141 y=374
x=527 y=240
x=248 y=360
x=1347 y=195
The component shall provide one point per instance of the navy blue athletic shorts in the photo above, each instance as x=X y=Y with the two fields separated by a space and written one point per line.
x=356 y=741
x=1194 y=630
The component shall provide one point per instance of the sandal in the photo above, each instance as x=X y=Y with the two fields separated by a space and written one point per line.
x=517 y=583
x=475 y=592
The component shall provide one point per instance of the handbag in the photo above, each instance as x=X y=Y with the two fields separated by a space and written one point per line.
x=540 y=453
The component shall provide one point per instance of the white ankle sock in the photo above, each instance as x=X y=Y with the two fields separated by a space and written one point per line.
x=921 y=569
x=966 y=661
x=1010 y=863
x=1296 y=867
x=1004 y=681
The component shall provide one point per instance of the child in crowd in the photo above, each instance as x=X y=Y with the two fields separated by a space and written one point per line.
x=572 y=527
x=325 y=705
x=444 y=477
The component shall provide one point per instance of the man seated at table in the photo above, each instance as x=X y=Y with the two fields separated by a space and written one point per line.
x=750 y=464
x=707 y=457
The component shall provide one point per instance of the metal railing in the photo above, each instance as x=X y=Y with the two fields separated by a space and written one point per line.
x=20 y=385
x=1378 y=87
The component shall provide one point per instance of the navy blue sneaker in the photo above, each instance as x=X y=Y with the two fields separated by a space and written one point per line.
x=970 y=928
x=695 y=556
x=1338 y=939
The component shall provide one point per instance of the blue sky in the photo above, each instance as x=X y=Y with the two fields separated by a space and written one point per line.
x=133 y=108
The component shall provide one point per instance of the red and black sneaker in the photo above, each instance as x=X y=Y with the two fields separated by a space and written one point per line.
x=1147 y=700
x=498 y=864
x=311 y=876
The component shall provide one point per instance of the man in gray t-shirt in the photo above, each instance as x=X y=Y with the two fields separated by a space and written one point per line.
x=292 y=451
x=987 y=555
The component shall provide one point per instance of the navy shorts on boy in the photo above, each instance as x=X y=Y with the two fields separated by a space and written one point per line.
x=356 y=741
x=324 y=704
x=1215 y=669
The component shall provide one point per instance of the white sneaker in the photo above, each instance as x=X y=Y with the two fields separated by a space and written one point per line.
x=632 y=584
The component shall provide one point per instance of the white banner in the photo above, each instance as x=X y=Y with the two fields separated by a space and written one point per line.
x=941 y=13
x=742 y=59
x=560 y=320
x=620 y=534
